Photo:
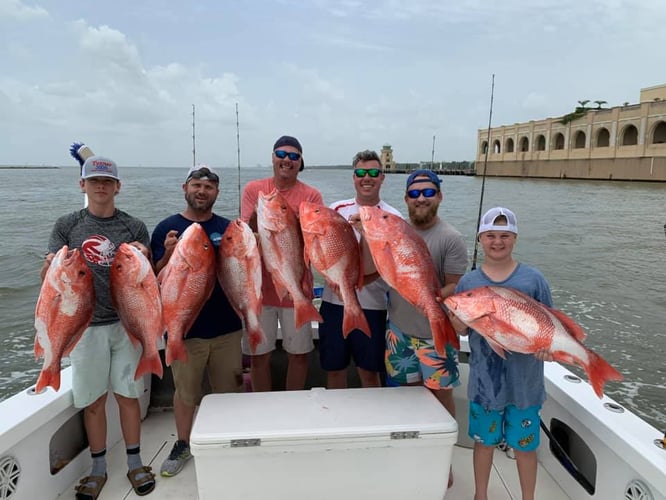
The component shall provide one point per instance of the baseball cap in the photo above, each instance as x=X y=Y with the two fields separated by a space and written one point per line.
x=432 y=177
x=99 y=166
x=489 y=218
x=287 y=140
x=202 y=171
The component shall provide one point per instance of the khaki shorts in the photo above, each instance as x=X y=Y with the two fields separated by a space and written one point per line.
x=219 y=357
x=104 y=358
x=293 y=341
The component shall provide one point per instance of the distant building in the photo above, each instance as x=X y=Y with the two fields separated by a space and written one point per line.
x=387 y=158
x=625 y=142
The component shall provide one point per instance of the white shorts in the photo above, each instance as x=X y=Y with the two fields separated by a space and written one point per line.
x=293 y=341
x=104 y=358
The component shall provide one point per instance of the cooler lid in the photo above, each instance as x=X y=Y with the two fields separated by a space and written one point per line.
x=319 y=413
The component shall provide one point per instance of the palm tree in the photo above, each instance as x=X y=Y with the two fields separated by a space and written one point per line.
x=600 y=103
x=583 y=103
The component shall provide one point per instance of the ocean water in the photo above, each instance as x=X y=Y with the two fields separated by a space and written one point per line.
x=601 y=245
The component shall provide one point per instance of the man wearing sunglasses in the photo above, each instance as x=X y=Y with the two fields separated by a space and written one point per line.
x=287 y=160
x=213 y=342
x=411 y=357
x=336 y=352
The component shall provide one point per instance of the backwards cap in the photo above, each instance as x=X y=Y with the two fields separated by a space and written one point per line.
x=489 y=218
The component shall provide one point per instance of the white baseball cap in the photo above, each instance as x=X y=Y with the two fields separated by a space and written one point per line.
x=489 y=218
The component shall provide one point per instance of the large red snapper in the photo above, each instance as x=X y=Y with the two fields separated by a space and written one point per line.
x=512 y=321
x=403 y=260
x=64 y=310
x=239 y=274
x=281 y=245
x=186 y=283
x=331 y=247
x=136 y=296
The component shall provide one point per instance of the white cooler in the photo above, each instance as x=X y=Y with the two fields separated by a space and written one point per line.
x=385 y=443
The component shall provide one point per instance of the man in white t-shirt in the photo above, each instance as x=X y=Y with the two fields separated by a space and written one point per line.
x=335 y=352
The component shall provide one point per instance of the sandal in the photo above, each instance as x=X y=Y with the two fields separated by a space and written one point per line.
x=85 y=492
x=144 y=485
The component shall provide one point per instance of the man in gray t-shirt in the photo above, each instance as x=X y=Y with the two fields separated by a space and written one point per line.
x=411 y=357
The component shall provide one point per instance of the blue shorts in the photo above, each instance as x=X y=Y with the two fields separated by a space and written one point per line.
x=335 y=351
x=411 y=359
x=519 y=428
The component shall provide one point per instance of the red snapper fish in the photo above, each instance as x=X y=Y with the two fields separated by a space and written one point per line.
x=331 y=247
x=64 y=310
x=136 y=296
x=512 y=321
x=186 y=283
x=281 y=245
x=403 y=260
x=239 y=274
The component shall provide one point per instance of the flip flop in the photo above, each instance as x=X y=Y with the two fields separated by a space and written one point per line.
x=85 y=492
x=145 y=484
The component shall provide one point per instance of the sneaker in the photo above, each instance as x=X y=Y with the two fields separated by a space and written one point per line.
x=180 y=453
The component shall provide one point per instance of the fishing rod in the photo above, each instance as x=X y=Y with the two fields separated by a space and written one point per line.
x=238 y=149
x=194 y=149
x=483 y=177
x=80 y=152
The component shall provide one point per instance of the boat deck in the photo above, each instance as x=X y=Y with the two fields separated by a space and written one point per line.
x=158 y=436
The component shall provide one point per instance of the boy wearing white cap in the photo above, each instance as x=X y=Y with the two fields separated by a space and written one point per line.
x=505 y=394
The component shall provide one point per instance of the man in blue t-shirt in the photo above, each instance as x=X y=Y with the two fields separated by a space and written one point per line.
x=213 y=343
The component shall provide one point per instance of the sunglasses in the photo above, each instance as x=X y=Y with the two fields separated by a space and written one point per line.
x=362 y=172
x=283 y=154
x=203 y=174
x=427 y=192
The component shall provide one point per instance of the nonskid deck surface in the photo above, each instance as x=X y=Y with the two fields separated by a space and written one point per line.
x=158 y=436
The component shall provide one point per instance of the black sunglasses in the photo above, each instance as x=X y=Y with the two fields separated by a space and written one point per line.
x=427 y=192
x=362 y=172
x=203 y=174
x=283 y=154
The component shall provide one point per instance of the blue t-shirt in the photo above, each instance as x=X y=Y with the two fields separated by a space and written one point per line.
x=217 y=316
x=518 y=380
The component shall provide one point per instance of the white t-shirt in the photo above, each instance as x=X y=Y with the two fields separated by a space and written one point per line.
x=373 y=295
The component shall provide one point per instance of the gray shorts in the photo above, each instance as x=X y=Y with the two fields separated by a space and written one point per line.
x=104 y=358
x=293 y=341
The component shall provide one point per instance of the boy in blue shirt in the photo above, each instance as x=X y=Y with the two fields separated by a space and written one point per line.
x=505 y=395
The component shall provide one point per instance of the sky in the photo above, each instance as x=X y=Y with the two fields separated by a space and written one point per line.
x=340 y=75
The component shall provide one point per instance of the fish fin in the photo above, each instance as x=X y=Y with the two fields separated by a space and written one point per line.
x=443 y=333
x=305 y=312
x=39 y=350
x=149 y=365
x=498 y=349
x=175 y=351
x=354 y=319
x=48 y=377
x=570 y=325
x=598 y=370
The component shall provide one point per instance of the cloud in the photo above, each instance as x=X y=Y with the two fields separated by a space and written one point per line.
x=15 y=10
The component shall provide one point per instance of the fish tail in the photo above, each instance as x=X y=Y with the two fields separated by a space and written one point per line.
x=255 y=336
x=175 y=351
x=599 y=371
x=354 y=319
x=443 y=333
x=146 y=365
x=48 y=377
x=305 y=312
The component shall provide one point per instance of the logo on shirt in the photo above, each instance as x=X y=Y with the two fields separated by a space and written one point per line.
x=99 y=250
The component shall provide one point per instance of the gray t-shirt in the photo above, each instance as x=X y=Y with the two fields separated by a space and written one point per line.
x=449 y=254
x=98 y=238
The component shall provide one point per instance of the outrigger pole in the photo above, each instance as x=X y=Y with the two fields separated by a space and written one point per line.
x=238 y=149
x=483 y=177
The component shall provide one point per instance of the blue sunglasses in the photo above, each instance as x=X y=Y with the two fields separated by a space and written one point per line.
x=362 y=172
x=283 y=154
x=427 y=192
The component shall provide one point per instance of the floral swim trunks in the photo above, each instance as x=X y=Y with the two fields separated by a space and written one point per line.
x=411 y=359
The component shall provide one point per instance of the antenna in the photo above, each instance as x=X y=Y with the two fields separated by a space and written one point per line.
x=194 y=148
x=238 y=148
x=432 y=158
x=483 y=181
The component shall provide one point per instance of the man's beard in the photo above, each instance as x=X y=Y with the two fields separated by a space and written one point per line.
x=198 y=205
x=421 y=218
